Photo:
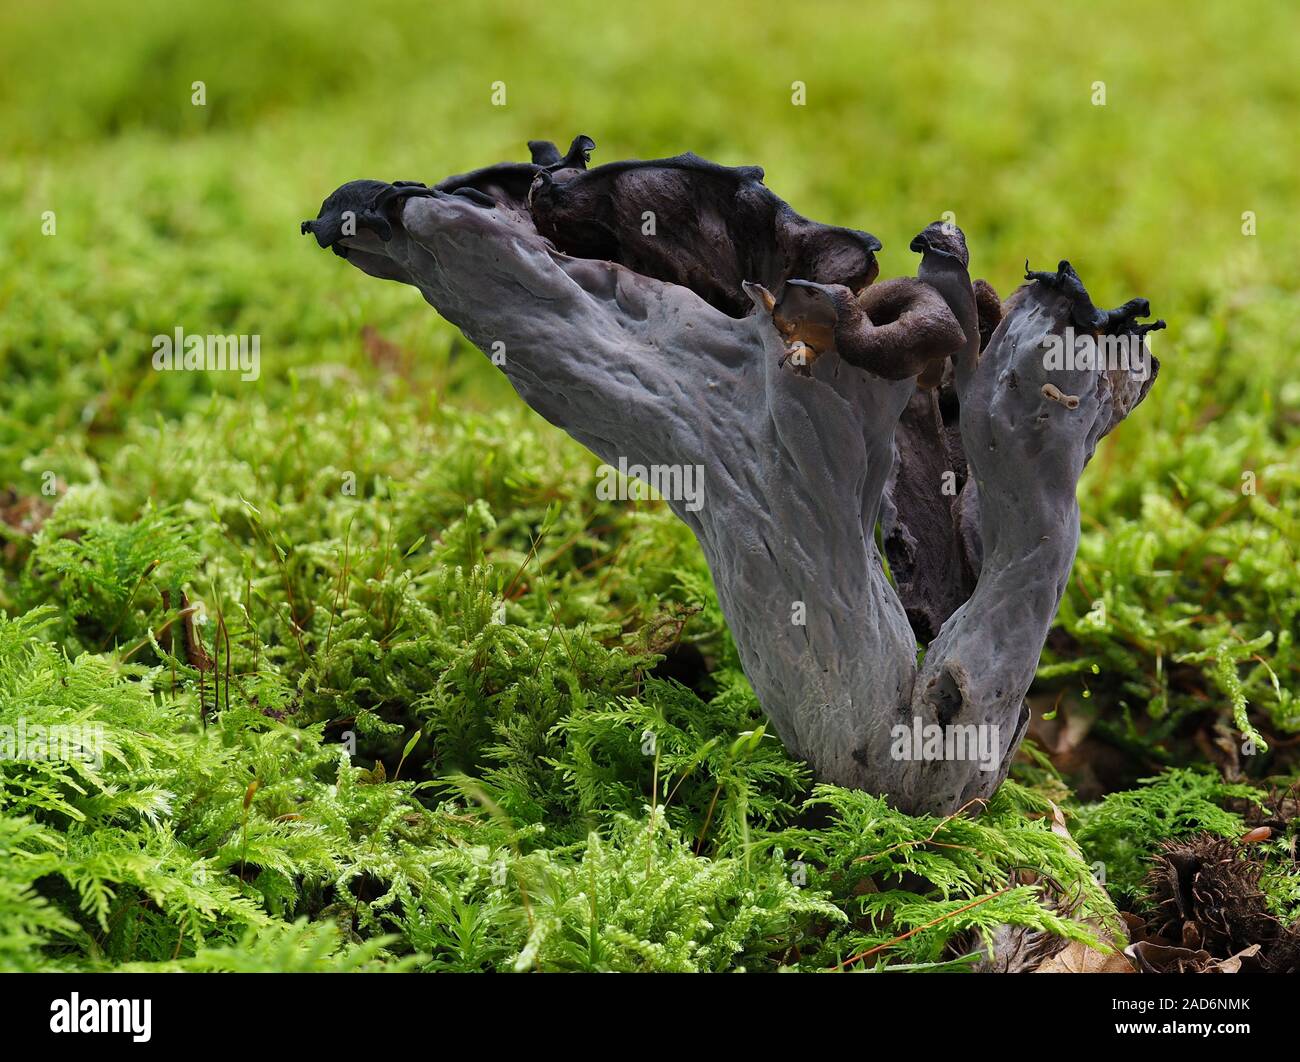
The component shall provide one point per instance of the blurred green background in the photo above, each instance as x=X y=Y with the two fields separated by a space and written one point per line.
x=172 y=213
x=169 y=214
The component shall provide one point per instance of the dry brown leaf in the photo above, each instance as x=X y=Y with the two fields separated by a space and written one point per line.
x=1058 y=823
x=1160 y=958
x=1079 y=958
x=1233 y=964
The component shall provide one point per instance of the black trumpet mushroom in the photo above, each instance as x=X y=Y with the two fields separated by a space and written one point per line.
x=677 y=313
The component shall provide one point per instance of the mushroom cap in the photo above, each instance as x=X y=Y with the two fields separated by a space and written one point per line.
x=942 y=238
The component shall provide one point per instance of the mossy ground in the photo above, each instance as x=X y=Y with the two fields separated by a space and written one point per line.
x=389 y=547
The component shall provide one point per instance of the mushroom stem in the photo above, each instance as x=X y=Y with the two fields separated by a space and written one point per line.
x=649 y=373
